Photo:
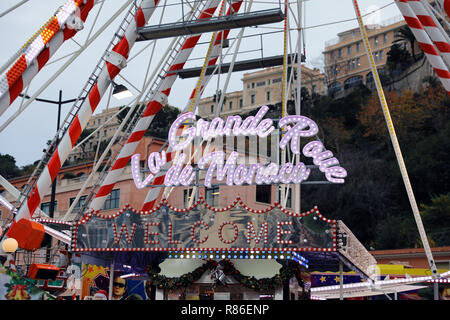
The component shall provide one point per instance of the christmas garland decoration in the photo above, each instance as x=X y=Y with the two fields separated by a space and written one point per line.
x=289 y=270
x=20 y=288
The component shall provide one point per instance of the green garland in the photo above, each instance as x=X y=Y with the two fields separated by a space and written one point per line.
x=286 y=272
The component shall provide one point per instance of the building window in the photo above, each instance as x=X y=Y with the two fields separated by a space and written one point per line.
x=385 y=38
x=79 y=204
x=353 y=64
x=252 y=99
x=331 y=55
x=267 y=96
x=339 y=53
x=334 y=87
x=99 y=121
x=276 y=80
x=375 y=40
x=349 y=50
x=212 y=108
x=264 y=193
x=253 y=85
x=261 y=83
x=358 y=46
x=187 y=194
x=45 y=206
x=353 y=82
x=212 y=196
x=241 y=103
x=113 y=200
x=230 y=105
x=378 y=56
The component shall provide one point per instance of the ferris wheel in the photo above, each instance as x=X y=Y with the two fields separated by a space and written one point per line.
x=168 y=40
x=146 y=45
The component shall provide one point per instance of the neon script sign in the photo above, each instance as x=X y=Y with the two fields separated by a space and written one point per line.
x=181 y=174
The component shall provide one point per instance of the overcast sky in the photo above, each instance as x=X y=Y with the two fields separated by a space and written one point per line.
x=26 y=136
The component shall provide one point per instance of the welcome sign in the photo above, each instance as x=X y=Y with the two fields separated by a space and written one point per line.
x=202 y=228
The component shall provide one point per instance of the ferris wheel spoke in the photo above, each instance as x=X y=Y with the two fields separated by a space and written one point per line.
x=13 y=8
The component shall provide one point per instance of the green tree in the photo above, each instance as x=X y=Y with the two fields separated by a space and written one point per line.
x=398 y=59
x=161 y=123
x=8 y=167
x=436 y=219
x=405 y=34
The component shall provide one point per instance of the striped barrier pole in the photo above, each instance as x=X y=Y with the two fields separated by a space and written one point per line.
x=154 y=192
x=40 y=50
x=12 y=262
x=425 y=43
x=159 y=99
x=67 y=142
x=431 y=28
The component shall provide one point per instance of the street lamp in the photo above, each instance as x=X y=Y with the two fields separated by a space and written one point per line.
x=59 y=102
x=120 y=91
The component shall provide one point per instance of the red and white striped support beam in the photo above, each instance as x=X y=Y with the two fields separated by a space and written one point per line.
x=430 y=27
x=40 y=50
x=159 y=99
x=154 y=193
x=447 y=7
x=109 y=71
x=427 y=45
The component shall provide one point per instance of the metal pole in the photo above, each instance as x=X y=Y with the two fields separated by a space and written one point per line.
x=395 y=144
x=111 y=279
x=341 y=281
x=53 y=192
x=297 y=188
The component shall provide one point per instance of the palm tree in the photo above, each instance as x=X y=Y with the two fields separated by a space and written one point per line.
x=405 y=34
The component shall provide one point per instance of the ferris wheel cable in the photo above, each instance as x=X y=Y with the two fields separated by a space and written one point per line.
x=134 y=106
x=64 y=145
x=99 y=128
x=63 y=68
x=166 y=56
x=151 y=54
x=393 y=137
x=36 y=52
x=95 y=19
x=13 y=8
x=128 y=82
x=100 y=161
x=196 y=92
x=219 y=106
x=155 y=192
x=161 y=95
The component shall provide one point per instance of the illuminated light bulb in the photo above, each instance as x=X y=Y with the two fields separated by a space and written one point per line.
x=294 y=133
x=10 y=245
x=190 y=132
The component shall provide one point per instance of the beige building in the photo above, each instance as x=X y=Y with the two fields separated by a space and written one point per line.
x=261 y=88
x=346 y=62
